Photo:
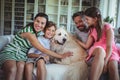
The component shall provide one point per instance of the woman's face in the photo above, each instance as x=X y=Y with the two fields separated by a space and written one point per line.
x=50 y=32
x=90 y=21
x=39 y=23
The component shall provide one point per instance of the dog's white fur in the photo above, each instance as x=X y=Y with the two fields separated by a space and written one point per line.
x=63 y=42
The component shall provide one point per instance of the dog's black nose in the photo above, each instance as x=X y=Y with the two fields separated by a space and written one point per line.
x=64 y=39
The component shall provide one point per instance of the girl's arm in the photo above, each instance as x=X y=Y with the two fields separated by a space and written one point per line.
x=109 y=39
x=88 y=44
x=33 y=40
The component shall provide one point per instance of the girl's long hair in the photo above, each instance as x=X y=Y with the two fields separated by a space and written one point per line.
x=94 y=12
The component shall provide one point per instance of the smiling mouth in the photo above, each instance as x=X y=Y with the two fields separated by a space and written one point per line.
x=60 y=43
x=57 y=42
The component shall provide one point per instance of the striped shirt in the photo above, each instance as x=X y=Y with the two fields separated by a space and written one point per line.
x=18 y=48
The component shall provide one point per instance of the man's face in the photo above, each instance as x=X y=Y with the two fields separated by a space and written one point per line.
x=80 y=24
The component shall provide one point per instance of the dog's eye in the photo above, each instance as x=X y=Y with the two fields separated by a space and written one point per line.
x=59 y=34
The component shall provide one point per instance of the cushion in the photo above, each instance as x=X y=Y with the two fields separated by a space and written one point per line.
x=3 y=42
x=55 y=71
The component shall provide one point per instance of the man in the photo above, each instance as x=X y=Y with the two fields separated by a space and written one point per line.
x=81 y=30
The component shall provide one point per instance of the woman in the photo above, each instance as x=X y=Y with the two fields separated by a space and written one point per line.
x=13 y=56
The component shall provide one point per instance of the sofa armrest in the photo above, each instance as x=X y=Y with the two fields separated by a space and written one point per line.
x=4 y=40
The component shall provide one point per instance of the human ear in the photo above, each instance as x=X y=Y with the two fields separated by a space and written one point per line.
x=95 y=19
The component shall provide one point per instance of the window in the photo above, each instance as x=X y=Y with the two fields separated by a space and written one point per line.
x=118 y=14
x=110 y=8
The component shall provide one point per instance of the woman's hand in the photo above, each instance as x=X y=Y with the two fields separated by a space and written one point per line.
x=67 y=54
x=46 y=58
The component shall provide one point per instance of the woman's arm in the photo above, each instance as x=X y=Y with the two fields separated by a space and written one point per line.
x=33 y=55
x=88 y=44
x=33 y=40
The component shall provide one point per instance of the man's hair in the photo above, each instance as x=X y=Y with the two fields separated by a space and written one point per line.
x=79 y=13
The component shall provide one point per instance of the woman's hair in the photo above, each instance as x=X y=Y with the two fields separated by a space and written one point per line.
x=42 y=15
x=38 y=15
x=94 y=12
x=80 y=13
x=50 y=24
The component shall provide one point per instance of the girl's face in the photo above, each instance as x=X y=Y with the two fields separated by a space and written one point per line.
x=50 y=32
x=90 y=21
x=39 y=24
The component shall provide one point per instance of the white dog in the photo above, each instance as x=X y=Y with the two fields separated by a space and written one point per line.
x=63 y=42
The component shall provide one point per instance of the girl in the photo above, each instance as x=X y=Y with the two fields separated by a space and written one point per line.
x=13 y=56
x=103 y=50
x=39 y=58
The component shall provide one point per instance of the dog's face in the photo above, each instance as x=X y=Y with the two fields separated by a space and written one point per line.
x=61 y=36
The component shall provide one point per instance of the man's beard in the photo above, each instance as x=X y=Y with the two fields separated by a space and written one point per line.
x=85 y=28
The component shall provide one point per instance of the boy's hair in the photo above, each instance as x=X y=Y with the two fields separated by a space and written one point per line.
x=94 y=12
x=50 y=23
x=80 y=13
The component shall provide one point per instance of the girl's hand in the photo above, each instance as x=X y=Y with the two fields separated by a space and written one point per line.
x=105 y=66
x=67 y=54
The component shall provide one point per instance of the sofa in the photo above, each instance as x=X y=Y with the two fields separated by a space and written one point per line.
x=54 y=71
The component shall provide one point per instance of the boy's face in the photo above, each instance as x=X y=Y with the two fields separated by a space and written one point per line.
x=50 y=32
x=80 y=24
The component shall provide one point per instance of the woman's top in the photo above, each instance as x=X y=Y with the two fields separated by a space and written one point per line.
x=18 y=48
